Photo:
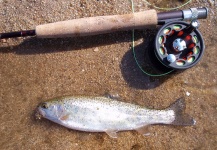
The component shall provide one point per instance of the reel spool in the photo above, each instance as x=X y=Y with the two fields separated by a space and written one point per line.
x=179 y=45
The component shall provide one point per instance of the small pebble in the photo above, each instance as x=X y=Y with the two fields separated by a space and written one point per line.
x=147 y=134
x=188 y=94
x=3 y=40
x=96 y=49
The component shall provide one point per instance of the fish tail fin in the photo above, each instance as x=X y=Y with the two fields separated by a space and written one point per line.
x=181 y=118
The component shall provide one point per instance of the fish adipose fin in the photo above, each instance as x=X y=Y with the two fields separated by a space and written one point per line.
x=180 y=117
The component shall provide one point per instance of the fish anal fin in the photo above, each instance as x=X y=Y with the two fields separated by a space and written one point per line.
x=144 y=130
x=181 y=118
x=64 y=117
x=112 y=133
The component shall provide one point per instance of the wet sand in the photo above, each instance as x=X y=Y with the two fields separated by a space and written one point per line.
x=34 y=70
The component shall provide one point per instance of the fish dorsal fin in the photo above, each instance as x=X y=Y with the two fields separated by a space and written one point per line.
x=112 y=133
x=144 y=130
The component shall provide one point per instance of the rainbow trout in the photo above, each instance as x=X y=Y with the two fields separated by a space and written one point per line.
x=101 y=114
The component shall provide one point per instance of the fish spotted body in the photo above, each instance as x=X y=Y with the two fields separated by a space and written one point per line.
x=101 y=114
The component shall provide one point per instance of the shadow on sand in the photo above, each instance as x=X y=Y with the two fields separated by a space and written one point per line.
x=145 y=56
x=32 y=46
x=130 y=70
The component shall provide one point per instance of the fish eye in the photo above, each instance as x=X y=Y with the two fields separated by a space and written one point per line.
x=44 y=105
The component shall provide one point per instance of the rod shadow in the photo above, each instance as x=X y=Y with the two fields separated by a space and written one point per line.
x=31 y=46
x=130 y=70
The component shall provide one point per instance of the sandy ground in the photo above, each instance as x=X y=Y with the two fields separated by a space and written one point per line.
x=34 y=70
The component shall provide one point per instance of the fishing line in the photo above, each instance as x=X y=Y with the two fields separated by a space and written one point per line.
x=134 y=53
x=167 y=8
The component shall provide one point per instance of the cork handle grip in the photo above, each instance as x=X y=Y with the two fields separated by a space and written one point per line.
x=97 y=25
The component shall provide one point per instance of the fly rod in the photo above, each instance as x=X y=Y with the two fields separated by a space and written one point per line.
x=178 y=44
x=107 y=24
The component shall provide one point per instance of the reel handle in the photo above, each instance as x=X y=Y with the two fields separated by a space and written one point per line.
x=97 y=25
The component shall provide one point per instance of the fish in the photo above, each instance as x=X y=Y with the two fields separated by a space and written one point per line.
x=103 y=114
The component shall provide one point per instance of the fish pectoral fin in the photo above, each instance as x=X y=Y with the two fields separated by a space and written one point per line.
x=113 y=96
x=64 y=117
x=144 y=130
x=112 y=133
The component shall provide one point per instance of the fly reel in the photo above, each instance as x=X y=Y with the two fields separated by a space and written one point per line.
x=179 y=45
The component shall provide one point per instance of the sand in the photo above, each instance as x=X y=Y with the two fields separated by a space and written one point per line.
x=34 y=70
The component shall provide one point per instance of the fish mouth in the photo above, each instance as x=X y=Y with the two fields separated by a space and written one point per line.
x=39 y=113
